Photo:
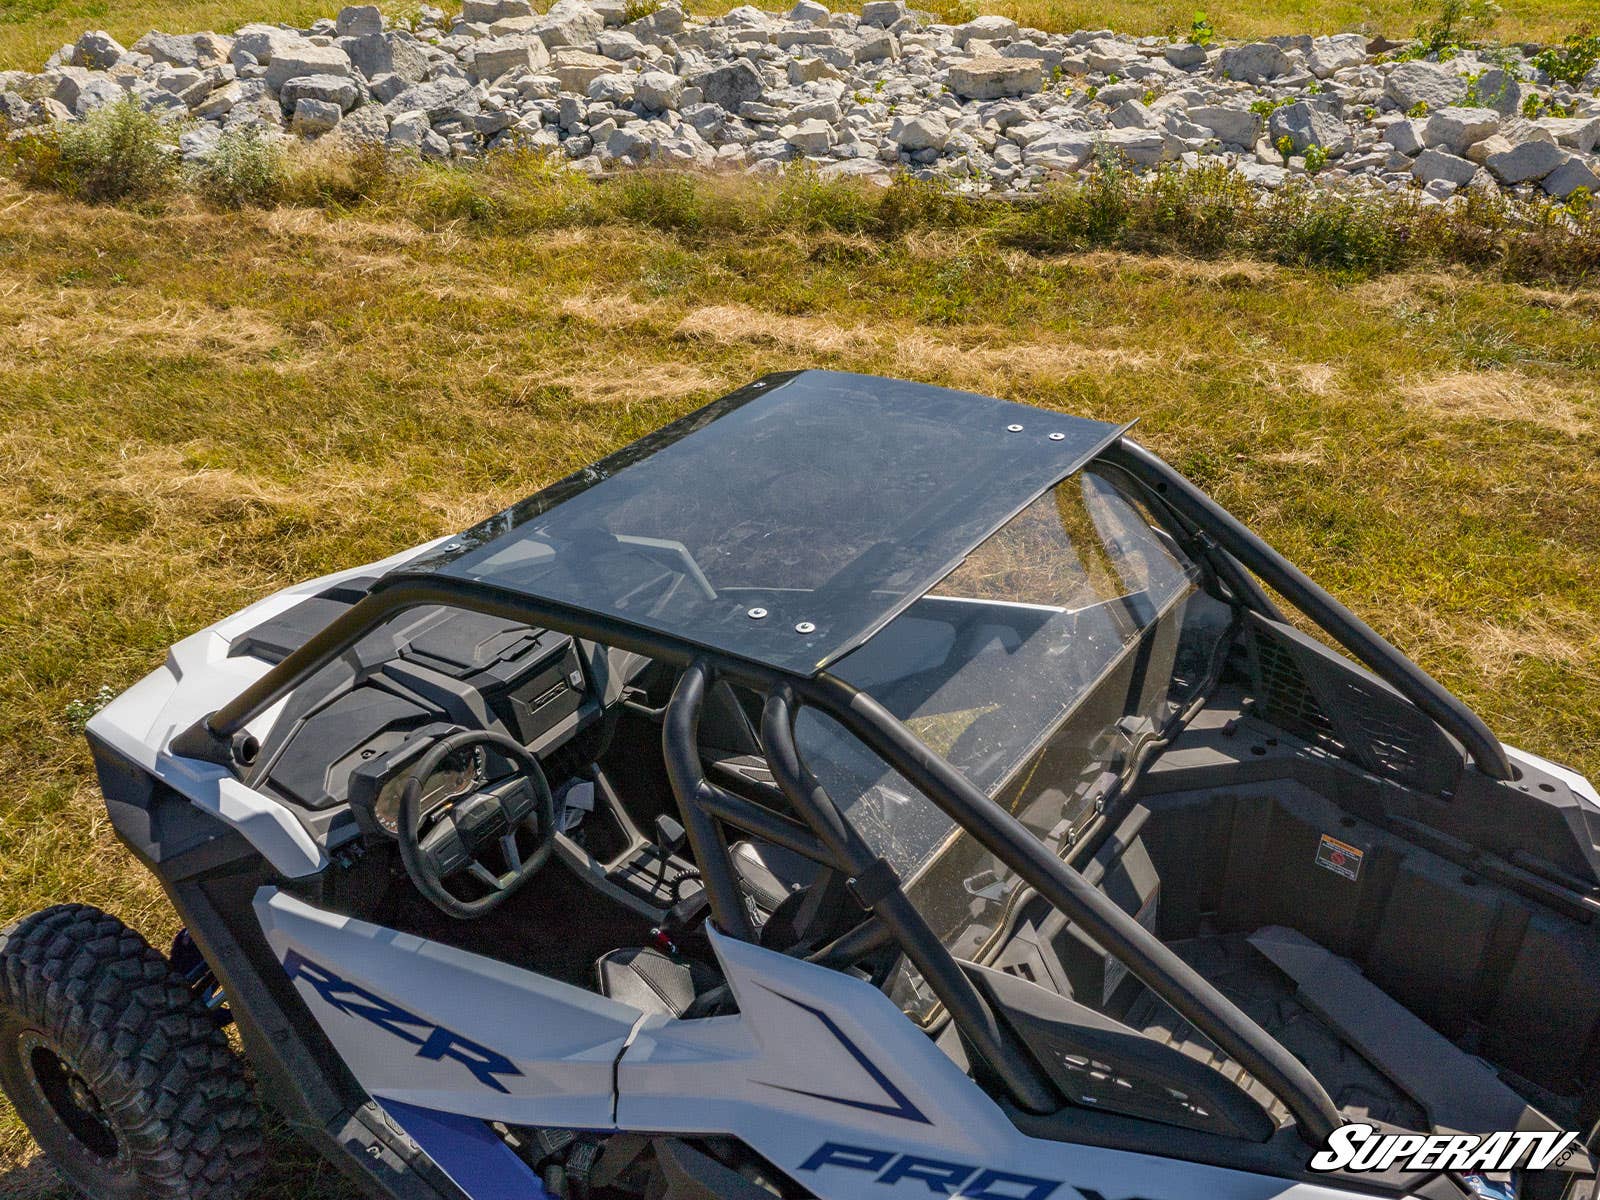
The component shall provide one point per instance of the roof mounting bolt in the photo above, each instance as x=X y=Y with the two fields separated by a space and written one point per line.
x=1058 y=437
x=755 y=614
x=1013 y=428
x=805 y=627
x=452 y=545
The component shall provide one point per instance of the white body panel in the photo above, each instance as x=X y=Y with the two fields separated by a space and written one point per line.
x=814 y=1059
x=564 y=1041
x=197 y=679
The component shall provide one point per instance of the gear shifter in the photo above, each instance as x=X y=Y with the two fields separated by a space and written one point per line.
x=670 y=837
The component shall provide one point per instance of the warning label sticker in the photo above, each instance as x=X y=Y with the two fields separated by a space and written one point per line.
x=1340 y=857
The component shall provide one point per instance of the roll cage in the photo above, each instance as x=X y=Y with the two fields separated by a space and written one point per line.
x=825 y=836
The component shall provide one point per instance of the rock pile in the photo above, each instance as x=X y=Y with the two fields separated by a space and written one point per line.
x=984 y=104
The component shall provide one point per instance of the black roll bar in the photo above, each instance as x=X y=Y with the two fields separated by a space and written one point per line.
x=1157 y=967
x=213 y=737
x=877 y=888
x=680 y=742
x=1349 y=630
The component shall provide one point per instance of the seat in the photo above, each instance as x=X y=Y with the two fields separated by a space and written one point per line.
x=653 y=982
x=769 y=875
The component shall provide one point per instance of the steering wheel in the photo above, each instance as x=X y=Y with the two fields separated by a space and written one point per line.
x=467 y=827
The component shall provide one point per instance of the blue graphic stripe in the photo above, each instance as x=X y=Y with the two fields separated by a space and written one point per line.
x=900 y=1104
x=468 y=1151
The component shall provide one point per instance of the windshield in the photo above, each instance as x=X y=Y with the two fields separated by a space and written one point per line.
x=1038 y=667
x=784 y=523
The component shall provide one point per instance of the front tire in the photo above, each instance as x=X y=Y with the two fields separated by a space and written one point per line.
x=118 y=1071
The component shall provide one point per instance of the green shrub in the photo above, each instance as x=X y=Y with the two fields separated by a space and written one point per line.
x=1457 y=23
x=1570 y=62
x=1316 y=158
x=1201 y=31
x=1298 y=227
x=247 y=168
x=119 y=152
x=635 y=10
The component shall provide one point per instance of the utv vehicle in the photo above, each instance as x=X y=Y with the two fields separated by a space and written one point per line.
x=854 y=790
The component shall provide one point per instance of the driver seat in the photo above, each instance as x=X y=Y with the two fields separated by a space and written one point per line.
x=655 y=982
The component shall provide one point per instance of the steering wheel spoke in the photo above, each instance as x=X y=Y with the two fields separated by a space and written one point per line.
x=471 y=825
x=444 y=850
x=508 y=847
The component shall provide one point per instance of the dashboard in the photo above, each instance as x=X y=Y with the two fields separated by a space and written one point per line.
x=338 y=753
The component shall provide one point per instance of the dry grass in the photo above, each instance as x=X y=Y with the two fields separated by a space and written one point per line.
x=197 y=409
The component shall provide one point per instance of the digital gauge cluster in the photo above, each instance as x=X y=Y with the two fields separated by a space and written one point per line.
x=462 y=772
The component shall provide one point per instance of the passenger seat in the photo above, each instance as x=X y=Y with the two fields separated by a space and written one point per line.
x=769 y=875
x=652 y=981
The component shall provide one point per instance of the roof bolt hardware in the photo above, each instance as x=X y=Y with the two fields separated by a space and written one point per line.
x=1058 y=437
x=1013 y=428
x=805 y=627
x=452 y=546
x=755 y=614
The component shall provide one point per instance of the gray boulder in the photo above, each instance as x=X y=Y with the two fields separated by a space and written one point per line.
x=97 y=50
x=305 y=58
x=925 y=131
x=97 y=93
x=1141 y=147
x=438 y=98
x=262 y=42
x=493 y=58
x=1499 y=90
x=178 y=50
x=359 y=20
x=1255 y=62
x=1575 y=133
x=989 y=77
x=1234 y=126
x=882 y=13
x=1454 y=128
x=407 y=130
x=1330 y=54
x=1186 y=56
x=658 y=91
x=1432 y=165
x=313 y=117
x=1433 y=84
x=487 y=12
x=1569 y=177
x=570 y=23
x=334 y=89
x=729 y=86
x=1306 y=125
x=1404 y=136
x=1525 y=162
x=375 y=54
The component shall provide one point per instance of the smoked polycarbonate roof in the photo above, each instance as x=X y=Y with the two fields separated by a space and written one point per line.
x=783 y=524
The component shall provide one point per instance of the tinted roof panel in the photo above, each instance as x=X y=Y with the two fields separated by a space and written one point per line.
x=785 y=523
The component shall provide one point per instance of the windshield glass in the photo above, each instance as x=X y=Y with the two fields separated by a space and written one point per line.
x=1037 y=667
x=784 y=523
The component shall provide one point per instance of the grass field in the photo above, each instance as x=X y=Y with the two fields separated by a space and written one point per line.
x=199 y=408
x=31 y=29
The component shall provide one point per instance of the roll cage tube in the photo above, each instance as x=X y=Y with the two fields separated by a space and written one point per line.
x=1360 y=639
x=1157 y=967
x=876 y=887
x=219 y=737
x=833 y=843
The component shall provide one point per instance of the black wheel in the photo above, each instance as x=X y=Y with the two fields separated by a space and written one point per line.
x=121 y=1075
